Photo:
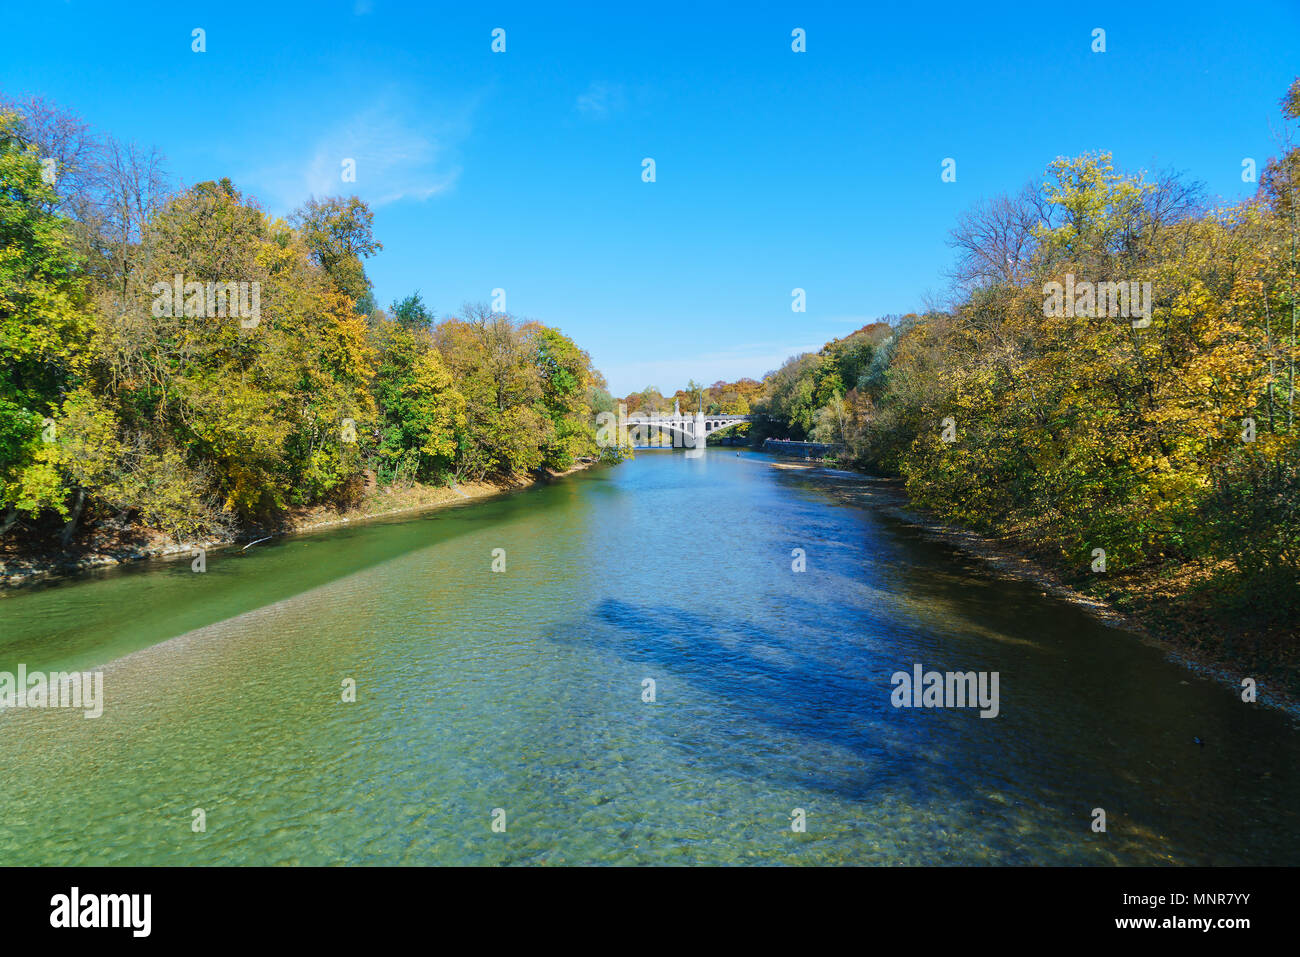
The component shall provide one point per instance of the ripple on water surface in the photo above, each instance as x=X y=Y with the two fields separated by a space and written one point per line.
x=523 y=691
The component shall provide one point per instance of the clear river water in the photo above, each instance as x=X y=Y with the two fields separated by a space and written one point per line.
x=518 y=696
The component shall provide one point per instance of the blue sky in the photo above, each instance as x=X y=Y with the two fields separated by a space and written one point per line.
x=522 y=170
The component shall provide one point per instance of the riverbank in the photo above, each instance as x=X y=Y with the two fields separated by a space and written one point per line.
x=1168 y=607
x=111 y=545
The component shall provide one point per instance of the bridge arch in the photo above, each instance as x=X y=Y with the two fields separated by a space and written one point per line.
x=684 y=425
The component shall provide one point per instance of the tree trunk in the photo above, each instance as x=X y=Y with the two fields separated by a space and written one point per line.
x=8 y=521
x=70 y=529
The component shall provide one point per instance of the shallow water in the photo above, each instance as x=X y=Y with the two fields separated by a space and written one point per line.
x=522 y=691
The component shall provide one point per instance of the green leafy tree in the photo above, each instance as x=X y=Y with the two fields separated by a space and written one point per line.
x=412 y=313
x=339 y=234
x=566 y=382
x=45 y=328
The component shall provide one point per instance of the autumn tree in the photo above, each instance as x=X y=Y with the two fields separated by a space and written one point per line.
x=45 y=331
x=339 y=234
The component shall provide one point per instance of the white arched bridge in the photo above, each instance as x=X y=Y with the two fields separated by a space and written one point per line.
x=684 y=430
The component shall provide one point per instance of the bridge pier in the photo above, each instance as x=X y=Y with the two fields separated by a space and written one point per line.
x=699 y=436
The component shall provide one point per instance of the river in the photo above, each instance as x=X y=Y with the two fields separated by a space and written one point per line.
x=518 y=697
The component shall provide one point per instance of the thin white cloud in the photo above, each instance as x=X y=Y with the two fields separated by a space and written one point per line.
x=601 y=99
x=393 y=160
